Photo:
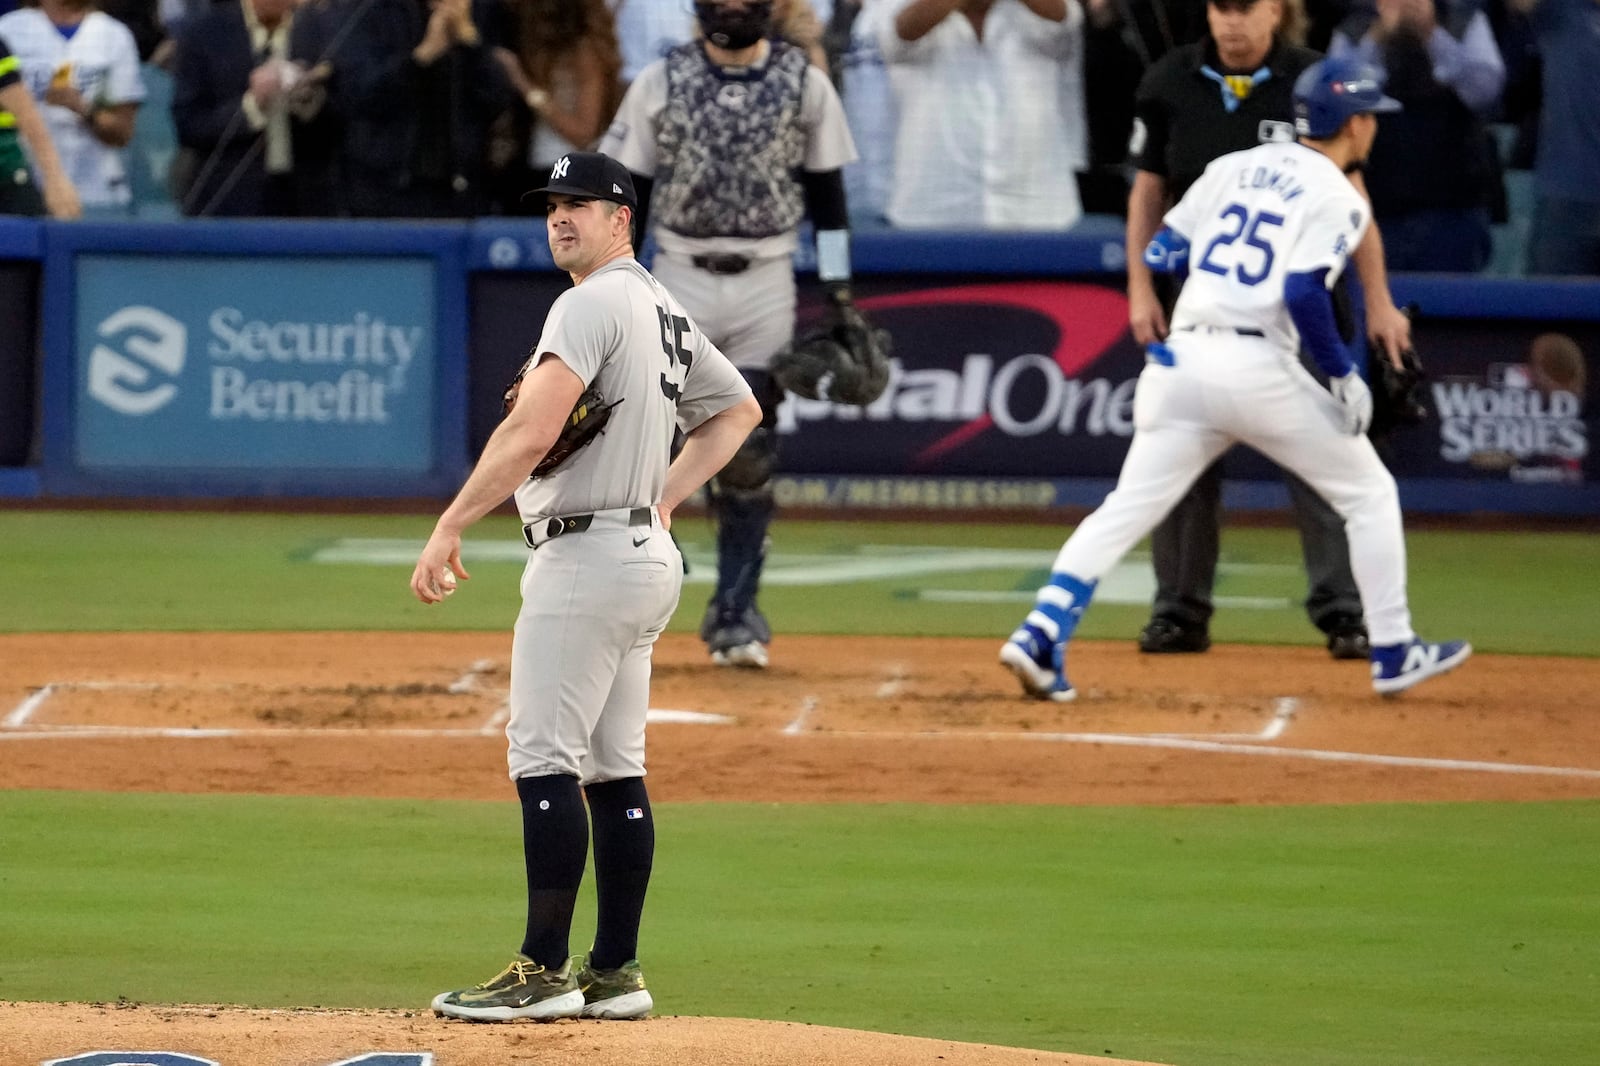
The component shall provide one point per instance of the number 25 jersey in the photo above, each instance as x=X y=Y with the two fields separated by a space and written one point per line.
x=1254 y=218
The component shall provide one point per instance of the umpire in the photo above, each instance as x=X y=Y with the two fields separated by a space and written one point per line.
x=1230 y=91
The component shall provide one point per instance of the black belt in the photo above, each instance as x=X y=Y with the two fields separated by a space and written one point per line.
x=722 y=263
x=1243 y=331
x=561 y=525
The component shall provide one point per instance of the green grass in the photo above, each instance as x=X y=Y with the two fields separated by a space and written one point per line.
x=1508 y=592
x=1328 y=936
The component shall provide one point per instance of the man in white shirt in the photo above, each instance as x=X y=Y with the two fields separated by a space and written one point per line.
x=648 y=29
x=991 y=130
x=84 y=66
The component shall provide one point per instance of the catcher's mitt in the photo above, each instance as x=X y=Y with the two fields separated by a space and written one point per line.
x=846 y=360
x=1397 y=393
x=589 y=416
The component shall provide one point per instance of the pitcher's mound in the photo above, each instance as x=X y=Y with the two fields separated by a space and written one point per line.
x=33 y=1033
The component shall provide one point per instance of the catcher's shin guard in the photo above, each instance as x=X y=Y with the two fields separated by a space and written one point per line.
x=742 y=523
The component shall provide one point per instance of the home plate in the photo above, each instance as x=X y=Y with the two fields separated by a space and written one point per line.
x=656 y=714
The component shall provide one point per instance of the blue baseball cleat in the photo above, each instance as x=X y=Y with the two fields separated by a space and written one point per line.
x=1396 y=667
x=1041 y=668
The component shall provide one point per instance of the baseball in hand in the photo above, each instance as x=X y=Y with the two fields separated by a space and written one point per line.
x=447 y=581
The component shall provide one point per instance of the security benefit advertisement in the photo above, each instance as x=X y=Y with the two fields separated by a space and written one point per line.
x=260 y=363
x=1035 y=379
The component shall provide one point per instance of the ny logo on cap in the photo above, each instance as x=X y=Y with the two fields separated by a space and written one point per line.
x=560 y=169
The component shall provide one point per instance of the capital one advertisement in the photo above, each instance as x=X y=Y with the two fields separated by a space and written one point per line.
x=211 y=362
x=1036 y=379
x=996 y=379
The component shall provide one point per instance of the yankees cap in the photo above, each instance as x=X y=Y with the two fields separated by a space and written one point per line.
x=593 y=176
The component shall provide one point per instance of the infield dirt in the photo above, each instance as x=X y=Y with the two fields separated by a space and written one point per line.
x=835 y=720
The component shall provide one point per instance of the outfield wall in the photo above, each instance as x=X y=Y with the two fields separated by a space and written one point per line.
x=338 y=358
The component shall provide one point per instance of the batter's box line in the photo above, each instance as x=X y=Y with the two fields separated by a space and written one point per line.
x=1232 y=748
x=19 y=724
x=1283 y=709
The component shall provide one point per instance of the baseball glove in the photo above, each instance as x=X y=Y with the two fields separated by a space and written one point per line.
x=1397 y=393
x=588 y=418
x=846 y=360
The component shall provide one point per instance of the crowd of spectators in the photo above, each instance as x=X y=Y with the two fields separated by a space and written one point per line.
x=1005 y=114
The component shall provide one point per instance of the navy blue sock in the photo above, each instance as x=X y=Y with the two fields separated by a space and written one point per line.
x=624 y=848
x=555 y=843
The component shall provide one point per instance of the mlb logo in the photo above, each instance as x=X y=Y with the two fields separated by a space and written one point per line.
x=635 y=813
x=1509 y=376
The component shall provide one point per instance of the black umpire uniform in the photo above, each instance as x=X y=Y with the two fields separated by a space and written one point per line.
x=1182 y=122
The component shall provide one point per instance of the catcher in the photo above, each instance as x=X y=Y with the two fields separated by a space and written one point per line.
x=740 y=137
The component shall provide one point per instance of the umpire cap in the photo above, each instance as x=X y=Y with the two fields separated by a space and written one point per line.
x=1332 y=90
x=592 y=176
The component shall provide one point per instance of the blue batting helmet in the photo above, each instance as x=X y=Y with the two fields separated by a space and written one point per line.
x=1331 y=90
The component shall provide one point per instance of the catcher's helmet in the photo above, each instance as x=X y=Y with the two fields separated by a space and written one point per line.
x=1331 y=90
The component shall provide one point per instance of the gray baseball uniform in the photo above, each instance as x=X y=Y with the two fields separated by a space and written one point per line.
x=694 y=128
x=736 y=156
x=603 y=578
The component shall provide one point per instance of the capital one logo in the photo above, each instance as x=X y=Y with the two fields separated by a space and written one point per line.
x=143 y=347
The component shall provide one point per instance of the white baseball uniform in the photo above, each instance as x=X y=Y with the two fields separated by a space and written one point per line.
x=1254 y=218
x=603 y=577
x=102 y=62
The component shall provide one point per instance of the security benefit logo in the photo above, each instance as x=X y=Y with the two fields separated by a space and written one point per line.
x=340 y=372
x=293 y=371
x=1525 y=419
x=141 y=353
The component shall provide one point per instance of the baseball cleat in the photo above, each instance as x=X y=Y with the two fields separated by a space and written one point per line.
x=751 y=654
x=1169 y=636
x=523 y=989
x=614 y=995
x=1396 y=667
x=1039 y=681
x=1347 y=637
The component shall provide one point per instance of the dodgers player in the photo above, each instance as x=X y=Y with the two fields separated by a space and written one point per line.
x=1271 y=229
x=601 y=582
x=739 y=136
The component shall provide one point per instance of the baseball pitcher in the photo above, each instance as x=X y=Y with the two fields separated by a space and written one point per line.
x=619 y=367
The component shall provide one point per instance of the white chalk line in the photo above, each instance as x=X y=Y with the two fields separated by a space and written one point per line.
x=1233 y=748
x=1283 y=709
x=896 y=682
x=24 y=710
x=18 y=724
x=468 y=681
x=91 y=732
x=797 y=726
